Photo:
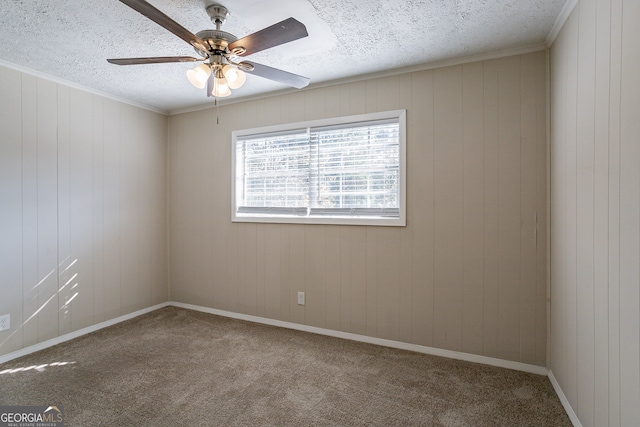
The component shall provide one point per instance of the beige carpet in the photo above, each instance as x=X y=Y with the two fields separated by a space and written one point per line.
x=176 y=367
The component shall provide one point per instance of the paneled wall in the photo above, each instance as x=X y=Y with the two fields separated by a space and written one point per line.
x=595 y=211
x=83 y=218
x=467 y=273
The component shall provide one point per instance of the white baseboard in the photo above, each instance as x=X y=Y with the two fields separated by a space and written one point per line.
x=563 y=399
x=524 y=367
x=491 y=361
x=75 y=334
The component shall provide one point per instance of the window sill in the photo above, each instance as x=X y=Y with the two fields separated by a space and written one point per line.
x=321 y=220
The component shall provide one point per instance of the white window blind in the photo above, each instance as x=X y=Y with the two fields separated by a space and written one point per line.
x=323 y=171
x=275 y=172
x=355 y=168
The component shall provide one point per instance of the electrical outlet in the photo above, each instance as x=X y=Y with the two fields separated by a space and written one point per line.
x=300 y=298
x=5 y=322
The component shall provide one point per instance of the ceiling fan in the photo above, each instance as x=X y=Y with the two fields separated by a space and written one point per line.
x=219 y=50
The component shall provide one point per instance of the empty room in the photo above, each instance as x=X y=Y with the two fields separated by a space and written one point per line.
x=307 y=212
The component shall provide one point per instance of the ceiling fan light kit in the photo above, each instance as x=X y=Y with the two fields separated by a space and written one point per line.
x=198 y=76
x=220 y=73
x=220 y=86
x=235 y=76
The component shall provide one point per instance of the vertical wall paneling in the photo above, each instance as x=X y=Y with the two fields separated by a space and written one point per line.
x=65 y=263
x=177 y=249
x=388 y=275
x=558 y=201
x=297 y=275
x=613 y=337
x=600 y=214
x=332 y=102
x=80 y=300
x=463 y=273
x=371 y=279
x=315 y=274
x=47 y=209
x=314 y=104
x=542 y=224
x=198 y=214
x=191 y=251
x=189 y=205
x=630 y=217
x=595 y=212
x=371 y=95
x=11 y=214
x=111 y=218
x=285 y=278
x=345 y=278
x=490 y=213
x=421 y=205
x=584 y=209
x=332 y=278
x=449 y=208
x=509 y=219
x=473 y=209
x=64 y=184
x=528 y=211
x=272 y=278
x=557 y=204
x=205 y=207
x=249 y=265
x=146 y=221
x=216 y=175
x=158 y=193
x=97 y=110
x=358 y=276
x=29 y=210
x=260 y=270
x=357 y=104
x=173 y=198
x=571 y=230
x=194 y=206
x=130 y=208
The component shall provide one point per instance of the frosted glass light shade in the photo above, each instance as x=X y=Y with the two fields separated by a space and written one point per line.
x=198 y=76
x=220 y=86
x=235 y=77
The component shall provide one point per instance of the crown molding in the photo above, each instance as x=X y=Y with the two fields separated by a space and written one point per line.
x=560 y=21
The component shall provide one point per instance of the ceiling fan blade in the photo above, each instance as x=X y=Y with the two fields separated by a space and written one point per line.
x=277 y=75
x=283 y=32
x=164 y=21
x=152 y=60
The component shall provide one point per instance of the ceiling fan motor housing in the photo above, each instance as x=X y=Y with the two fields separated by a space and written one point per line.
x=217 y=40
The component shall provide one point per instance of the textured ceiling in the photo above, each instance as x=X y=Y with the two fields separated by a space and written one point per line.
x=71 y=39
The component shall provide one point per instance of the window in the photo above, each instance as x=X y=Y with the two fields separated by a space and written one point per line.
x=348 y=170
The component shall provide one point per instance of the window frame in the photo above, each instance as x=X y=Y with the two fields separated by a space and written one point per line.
x=399 y=221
